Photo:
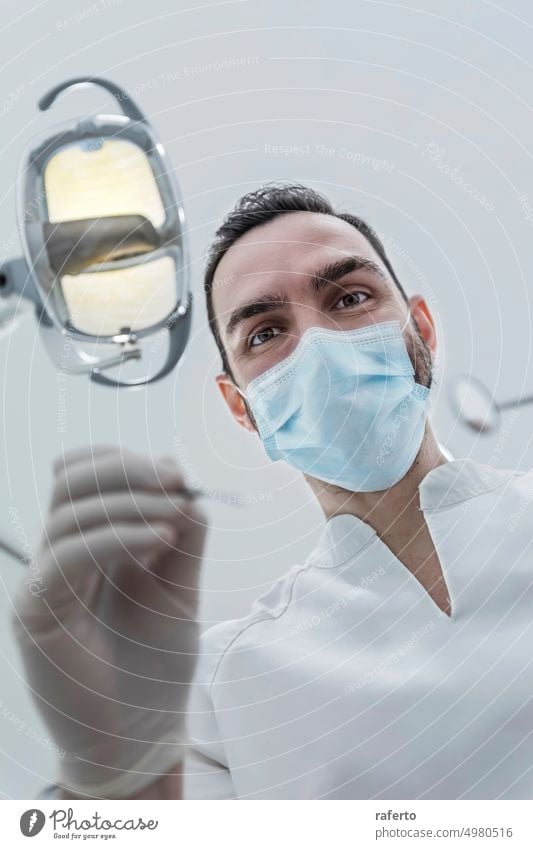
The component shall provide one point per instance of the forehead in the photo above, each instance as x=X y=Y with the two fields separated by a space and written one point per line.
x=284 y=251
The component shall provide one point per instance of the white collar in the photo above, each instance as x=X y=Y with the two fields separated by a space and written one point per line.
x=344 y=536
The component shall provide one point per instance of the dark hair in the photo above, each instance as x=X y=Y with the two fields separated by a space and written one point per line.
x=265 y=204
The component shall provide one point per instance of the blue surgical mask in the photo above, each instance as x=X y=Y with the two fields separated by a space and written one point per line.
x=343 y=407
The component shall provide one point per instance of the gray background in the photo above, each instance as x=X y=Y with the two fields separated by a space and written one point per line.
x=222 y=83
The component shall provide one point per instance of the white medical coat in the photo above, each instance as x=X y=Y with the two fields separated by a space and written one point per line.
x=345 y=680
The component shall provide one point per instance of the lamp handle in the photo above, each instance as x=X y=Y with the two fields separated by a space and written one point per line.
x=179 y=328
x=126 y=104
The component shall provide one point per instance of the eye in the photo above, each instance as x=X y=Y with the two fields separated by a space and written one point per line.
x=266 y=331
x=357 y=298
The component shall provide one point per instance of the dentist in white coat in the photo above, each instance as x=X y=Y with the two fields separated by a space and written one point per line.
x=395 y=662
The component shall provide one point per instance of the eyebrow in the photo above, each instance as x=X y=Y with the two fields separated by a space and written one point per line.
x=325 y=276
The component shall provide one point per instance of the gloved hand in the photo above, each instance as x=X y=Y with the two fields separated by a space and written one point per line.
x=110 y=643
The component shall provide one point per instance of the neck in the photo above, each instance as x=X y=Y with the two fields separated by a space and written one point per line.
x=393 y=513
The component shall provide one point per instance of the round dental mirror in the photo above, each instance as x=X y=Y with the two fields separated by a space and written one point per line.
x=474 y=404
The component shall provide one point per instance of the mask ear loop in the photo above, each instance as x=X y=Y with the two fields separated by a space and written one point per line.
x=407 y=320
x=241 y=393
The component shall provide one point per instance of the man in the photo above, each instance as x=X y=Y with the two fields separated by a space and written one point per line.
x=395 y=662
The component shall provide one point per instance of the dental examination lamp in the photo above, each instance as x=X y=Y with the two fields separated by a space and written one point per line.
x=105 y=254
x=476 y=407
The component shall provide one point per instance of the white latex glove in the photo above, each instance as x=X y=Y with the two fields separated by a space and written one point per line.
x=109 y=645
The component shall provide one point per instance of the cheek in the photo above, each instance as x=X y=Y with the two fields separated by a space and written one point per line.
x=421 y=358
x=251 y=365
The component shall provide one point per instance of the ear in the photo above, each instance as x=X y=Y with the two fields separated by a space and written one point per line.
x=422 y=315
x=234 y=400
